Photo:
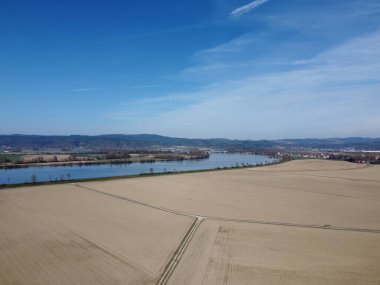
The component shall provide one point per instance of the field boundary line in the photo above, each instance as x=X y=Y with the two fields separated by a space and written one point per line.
x=111 y=252
x=332 y=177
x=136 y=202
x=322 y=227
x=320 y=170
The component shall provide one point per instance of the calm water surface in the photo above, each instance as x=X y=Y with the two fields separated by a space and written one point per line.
x=51 y=173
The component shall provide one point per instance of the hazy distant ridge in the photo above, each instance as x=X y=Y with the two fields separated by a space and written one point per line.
x=147 y=140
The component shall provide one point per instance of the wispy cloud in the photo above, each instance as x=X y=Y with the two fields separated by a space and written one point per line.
x=275 y=82
x=247 y=8
x=120 y=87
x=143 y=86
x=133 y=110
x=83 y=89
x=335 y=93
x=233 y=46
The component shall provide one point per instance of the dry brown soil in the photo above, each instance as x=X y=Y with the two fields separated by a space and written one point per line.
x=65 y=235
x=346 y=197
x=243 y=253
x=302 y=222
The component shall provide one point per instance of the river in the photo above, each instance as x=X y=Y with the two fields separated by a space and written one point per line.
x=51 y=173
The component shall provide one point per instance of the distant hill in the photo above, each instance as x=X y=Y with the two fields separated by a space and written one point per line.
x=149 y=140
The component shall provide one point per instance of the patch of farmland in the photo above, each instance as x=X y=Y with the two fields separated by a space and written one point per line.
x=312 y=165
x=306 y=197
x=242 y=253
x=66 y=235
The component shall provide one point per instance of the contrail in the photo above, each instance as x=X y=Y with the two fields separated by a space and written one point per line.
x=247 y=8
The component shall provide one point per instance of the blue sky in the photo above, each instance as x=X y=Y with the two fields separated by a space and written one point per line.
x=261 y=69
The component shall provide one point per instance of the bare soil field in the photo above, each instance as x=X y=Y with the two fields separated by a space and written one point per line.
x=243 y=253
x=367 y=173
x=66 y=235
x=281 y=224
x=312 y=197
x=312 y=165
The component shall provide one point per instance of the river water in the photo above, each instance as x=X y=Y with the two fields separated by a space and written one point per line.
x=51 y=173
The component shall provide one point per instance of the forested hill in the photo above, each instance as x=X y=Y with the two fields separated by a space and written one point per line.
x=148 y=140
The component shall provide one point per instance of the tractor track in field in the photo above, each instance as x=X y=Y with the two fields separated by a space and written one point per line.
x=178 y=253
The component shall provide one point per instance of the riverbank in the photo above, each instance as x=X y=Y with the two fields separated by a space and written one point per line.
x=147 y=159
